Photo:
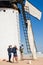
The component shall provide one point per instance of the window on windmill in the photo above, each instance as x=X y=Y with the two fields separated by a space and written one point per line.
x=13 y=11
x=4 y=10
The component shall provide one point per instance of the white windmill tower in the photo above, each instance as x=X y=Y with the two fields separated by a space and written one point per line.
x=9 y=25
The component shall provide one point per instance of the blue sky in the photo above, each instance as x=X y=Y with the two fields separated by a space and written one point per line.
x=37 y=26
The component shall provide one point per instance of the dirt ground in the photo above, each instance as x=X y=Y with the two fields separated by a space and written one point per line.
x=38 y=61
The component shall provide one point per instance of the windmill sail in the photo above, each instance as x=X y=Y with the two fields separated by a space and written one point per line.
x=32 y=10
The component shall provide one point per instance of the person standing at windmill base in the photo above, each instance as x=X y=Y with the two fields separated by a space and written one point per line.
x=14 y=51
x=21 y=51
x=9 y=52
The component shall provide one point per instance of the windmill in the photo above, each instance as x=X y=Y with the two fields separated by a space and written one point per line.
x=10 y=30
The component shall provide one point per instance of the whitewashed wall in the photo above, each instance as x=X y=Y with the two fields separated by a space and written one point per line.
x=9 y=27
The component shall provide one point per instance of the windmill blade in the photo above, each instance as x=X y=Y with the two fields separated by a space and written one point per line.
x=32 y=10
